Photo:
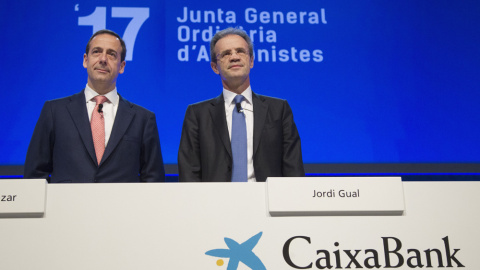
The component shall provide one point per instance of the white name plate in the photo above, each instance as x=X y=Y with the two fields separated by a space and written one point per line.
x=335 y=196
x=22 y=198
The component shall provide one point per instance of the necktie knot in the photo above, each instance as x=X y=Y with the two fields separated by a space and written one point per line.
x=100 y=99
x=238 y=99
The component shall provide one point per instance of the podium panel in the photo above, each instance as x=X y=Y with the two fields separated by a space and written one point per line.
x=227 y=226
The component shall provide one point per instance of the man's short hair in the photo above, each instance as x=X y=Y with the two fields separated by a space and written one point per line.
x=109 y=32
x=226 y=32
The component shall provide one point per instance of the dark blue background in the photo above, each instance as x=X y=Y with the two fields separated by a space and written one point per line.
x=399 y=81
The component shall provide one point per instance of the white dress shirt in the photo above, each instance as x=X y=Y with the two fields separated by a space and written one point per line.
x=109 y=108
x=247 y=105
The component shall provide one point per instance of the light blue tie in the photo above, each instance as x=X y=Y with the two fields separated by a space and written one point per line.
x=239 y=143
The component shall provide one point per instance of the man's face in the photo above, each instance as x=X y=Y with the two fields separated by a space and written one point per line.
x=103 y=62
x=233 y=59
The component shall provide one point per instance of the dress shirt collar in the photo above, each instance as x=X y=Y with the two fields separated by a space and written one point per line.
x=112 y=96
x=229 y=96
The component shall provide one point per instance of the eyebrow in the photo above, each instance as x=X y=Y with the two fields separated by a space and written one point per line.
x=236 y=49
x=108 y=50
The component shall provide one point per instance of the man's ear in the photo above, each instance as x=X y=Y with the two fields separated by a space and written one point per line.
x=85 y=58
x=122 y=67
x=214 y=67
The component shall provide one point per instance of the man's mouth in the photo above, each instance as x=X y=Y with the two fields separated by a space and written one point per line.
x=102 y=70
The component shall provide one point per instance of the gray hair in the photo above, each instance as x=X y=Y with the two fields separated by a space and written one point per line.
x=227 y=32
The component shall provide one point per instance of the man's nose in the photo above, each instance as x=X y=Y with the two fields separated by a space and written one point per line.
x=235 y=56
x=103 y=57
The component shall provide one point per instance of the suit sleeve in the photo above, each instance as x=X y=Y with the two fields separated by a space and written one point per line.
x=292 y=150
x=38 y=163
x=189 y=164
x=152 y=168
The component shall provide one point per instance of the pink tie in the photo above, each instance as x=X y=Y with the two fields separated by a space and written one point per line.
x=98 y=127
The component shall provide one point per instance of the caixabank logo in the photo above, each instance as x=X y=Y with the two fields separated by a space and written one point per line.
x=393 y=254
x=237 y=253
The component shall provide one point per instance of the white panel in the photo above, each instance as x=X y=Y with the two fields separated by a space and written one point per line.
x=172 y=225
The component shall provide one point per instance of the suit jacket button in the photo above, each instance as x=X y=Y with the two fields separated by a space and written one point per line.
x=229 y=168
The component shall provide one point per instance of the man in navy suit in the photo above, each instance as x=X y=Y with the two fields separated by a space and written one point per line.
x=62 y=148
x=273 y=142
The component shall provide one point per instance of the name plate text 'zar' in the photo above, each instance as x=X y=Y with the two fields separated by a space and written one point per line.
x=335 y=196
x=21 y=198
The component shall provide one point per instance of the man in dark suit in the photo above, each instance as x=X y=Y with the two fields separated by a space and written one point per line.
x=96 y=135
x=208 y=147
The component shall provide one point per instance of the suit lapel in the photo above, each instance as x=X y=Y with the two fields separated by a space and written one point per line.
x=217 y=112
x=124 y=116
x=78 y=112
x=260 y=109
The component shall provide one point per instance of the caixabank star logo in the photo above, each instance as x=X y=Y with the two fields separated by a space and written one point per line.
x=237 y=253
